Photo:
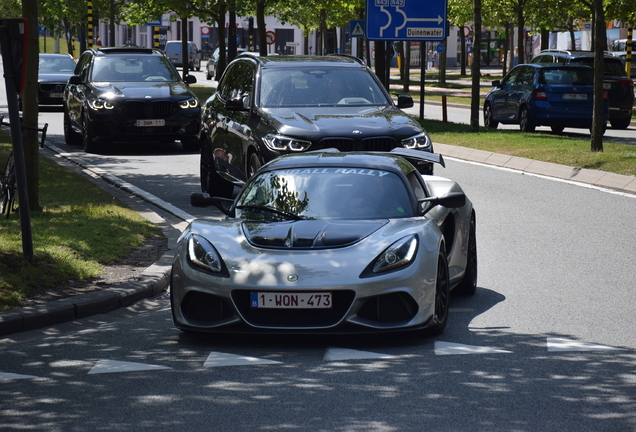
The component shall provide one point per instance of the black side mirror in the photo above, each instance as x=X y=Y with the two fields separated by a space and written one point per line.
x=235 y=104
x=496 y=83
x=190 y=79
x=75 y=79
x=404 y=101
x=226 y=205
x=450 y=200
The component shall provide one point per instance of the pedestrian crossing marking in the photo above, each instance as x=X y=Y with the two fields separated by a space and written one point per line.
x=562 y=344
x=449 y=348
x=224 y=359
x=335 y=354
x=115 y=366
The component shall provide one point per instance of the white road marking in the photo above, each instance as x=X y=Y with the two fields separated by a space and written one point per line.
x=224 y=359
x=562 y=344
x=449 y=348
x=335 y=354
x=115 y=366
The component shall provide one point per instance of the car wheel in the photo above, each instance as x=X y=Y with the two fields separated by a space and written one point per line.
x=621 y=123
x=70 y=136
x=525 y=123
x=557 y=129
x=89 y=143
x=442 y=296
x=468 y=284
x=488 y=120
x=211 y=181
x=253 y=164
x=191 y=144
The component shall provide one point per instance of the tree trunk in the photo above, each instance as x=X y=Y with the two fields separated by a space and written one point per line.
x=462 y=45
x=262 y=30
x=111 y=23
x=407 y=66
x=476 y=68
x=380 y=63
x=220 y=22
x=185 y=52
x=521 y=51
x=598 y=119
x=30 y=105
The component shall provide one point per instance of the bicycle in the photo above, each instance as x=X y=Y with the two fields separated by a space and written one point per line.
x=8 y=181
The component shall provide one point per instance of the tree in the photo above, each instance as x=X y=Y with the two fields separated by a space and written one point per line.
x=598 y=119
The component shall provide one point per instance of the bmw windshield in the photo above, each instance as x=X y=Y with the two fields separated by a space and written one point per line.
x=319 y=86
x=324 y=193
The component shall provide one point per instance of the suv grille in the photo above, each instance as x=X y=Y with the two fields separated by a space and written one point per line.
x=347 y=144
x=148 y=110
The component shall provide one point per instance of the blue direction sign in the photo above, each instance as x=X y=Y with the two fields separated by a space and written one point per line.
x=406 y=20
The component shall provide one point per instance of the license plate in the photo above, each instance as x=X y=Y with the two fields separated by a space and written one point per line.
x=575 y=96
x=284 y=300
x=607 y=86
x=56 y=95
x=150 y=123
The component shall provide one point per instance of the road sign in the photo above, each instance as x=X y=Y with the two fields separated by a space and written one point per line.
x=439 y=48
x=356 y=28
x=406 y=20
x=271 y=37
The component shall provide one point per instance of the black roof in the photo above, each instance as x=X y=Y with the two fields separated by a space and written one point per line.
x=290 y=61
x=127 y=50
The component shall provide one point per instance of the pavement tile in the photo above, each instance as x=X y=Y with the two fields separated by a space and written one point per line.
x=615 y=181
x=498 y=159
x=518 y=163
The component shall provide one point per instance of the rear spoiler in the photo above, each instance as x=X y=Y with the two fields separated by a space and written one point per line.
x=419 y=155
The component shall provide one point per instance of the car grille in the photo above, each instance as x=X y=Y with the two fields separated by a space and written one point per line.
x=149 y=110
x=293 y=318
x=52 y=88
x=347 y=144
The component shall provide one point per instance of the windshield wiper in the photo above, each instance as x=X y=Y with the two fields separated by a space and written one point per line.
x=271 y=210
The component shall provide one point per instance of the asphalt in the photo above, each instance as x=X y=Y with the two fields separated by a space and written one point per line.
x=154 y=280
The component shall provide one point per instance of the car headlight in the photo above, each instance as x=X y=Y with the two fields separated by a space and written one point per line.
x=190 y=103
x=285 y=143
x=100 y=104
x=202 y=254
x=399 y=254
x=419 y=141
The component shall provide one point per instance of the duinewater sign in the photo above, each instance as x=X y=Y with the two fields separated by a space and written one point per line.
x=406 y=20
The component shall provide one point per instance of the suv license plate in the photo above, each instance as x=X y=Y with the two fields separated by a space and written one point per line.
x=575 y=96
x=284 y=300
x=148 y=123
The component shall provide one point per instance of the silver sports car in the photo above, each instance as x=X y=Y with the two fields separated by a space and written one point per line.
x=328 y=242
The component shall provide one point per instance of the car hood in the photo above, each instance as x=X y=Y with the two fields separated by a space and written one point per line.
x=309 y=234
x=141 y=90
x=336 y=121
x=54 y=78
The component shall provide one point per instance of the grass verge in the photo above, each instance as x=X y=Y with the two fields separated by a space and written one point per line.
x=80 y=228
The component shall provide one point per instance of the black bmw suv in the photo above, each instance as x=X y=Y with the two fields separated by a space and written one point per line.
x=129 y=94
x=268 y=106
x=619 y=86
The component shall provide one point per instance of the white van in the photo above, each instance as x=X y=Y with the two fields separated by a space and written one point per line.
x=173 y=51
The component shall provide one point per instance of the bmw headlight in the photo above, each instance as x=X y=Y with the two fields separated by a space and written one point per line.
x=202 y=254
x=285 y=143
x=189 y=103
x=100 y=104
x=419 y=141
x=399 y=254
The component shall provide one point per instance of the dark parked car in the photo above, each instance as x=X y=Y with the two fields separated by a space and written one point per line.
x=129 y=94
x=619 y=87
x=533 y=95
x=53 y=74
x=268 y=106
x=214 y=61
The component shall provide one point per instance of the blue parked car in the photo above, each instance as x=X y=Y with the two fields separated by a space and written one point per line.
x=554 y=95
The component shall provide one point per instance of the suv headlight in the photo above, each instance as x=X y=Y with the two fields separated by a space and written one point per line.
x=100 y=104
x=399 y=254
x=189 y=103
x=419 y=141
x=285 y=143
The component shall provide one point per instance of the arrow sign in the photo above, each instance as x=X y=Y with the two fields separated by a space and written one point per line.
x=411 y=20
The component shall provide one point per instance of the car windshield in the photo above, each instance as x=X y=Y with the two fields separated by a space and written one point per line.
x=61 y=64
x=567 y=76
x=132 y=69
x=319 y=86
x=612 y=66
x=325 y=193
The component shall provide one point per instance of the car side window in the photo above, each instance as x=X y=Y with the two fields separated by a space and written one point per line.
x=238 y=82
x=416 y=185
x=83 y=65
x=511 y=78
x=525 y=76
